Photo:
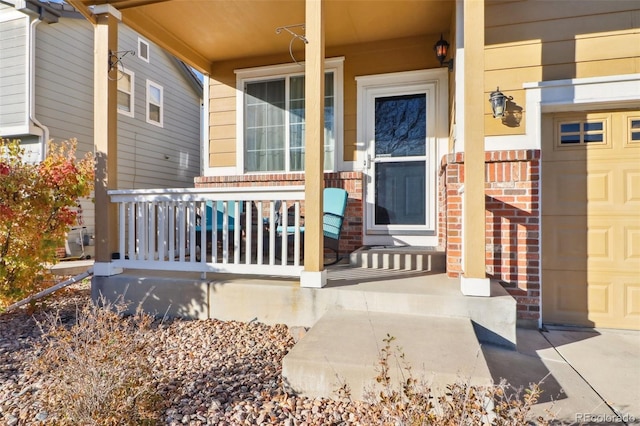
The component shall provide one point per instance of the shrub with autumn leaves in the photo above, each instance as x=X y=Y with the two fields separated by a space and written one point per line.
x=37 y=207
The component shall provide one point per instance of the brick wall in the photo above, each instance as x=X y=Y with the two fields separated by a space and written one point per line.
x=512 y=189
x=351 y=237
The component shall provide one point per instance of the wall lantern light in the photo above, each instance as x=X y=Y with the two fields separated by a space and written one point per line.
x=498 y=102
x=442 y=48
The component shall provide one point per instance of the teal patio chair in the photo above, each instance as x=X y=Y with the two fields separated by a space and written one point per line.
x=334 y=208
x=231 y=209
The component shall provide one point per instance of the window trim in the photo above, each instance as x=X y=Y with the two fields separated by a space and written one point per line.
x=247 y=75
x=132 y=103
x=148 y=119
x=631 y=130
x=140 y=42
x=581 y=120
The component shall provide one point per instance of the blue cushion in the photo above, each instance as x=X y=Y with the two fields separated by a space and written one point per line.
x=334 y=206
x=219 y=216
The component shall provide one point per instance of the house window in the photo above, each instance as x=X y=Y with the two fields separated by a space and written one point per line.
x=634 y=130
x=582 y=133
x=143 y=50
x=125 y=92
x=155 y=107
x=273 y=118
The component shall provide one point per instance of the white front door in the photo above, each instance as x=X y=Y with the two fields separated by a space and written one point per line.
x=399 y=125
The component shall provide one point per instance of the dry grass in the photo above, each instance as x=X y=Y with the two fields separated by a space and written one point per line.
x=413 y=402
x=97 y=370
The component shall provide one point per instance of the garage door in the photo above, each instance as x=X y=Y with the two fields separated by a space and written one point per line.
x=591 y=219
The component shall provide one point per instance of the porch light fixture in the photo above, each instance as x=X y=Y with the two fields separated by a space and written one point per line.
x=442 y=48
x=498 y=102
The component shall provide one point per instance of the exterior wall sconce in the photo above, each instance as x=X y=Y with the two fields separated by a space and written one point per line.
x=498 y=102
x=442 y=48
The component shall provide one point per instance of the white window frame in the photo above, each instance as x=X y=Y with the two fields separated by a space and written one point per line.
x=334 y=65
x=157 y=86
x=132 y=103
x=146 y=43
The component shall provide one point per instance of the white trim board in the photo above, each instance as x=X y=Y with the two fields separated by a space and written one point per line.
x=585 y=94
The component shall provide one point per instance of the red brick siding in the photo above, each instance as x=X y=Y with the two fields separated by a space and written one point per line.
x=512 y=188
x=351 y=237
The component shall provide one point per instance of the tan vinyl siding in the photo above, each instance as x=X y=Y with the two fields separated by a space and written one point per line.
x=13 y=72
x=562 y=40
x=361 y=59
x=222 y=122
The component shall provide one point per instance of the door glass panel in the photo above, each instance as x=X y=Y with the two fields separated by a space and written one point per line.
x=400 y=125
x=400 y=193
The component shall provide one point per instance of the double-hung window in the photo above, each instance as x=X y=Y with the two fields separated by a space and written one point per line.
x=155 y=107
x=272 y=114
x=126 y=84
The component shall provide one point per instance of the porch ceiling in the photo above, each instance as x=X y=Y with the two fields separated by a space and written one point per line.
x=202 y=33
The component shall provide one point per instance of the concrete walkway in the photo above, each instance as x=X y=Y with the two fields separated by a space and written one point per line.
x=588 y=377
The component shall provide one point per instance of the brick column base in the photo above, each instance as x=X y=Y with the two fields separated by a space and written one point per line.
x=512 y=180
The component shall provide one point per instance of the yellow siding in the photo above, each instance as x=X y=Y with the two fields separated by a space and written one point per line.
x=529 y=43
x=517 y=12
x=222 y=123
x=378 y=58
x=362 y=59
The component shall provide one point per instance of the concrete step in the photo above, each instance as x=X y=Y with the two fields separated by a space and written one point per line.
x=427 y=259
x=439 y=350
x=276 y=301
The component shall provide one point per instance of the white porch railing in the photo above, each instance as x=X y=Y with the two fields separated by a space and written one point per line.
x=166 y=229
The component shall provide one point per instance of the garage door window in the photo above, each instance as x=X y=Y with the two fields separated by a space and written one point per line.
x=634 y=130
x=582 y=132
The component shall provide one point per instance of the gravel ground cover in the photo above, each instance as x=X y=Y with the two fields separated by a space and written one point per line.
x=208 y=372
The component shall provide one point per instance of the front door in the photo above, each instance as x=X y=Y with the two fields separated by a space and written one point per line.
x=397 y=165
x=399 y=127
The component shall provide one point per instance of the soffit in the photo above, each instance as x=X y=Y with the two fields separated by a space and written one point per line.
x=204 y=32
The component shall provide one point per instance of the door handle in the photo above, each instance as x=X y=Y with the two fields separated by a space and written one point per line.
x=367 y=162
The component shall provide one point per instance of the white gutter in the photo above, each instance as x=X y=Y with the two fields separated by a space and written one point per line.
x=31 y=87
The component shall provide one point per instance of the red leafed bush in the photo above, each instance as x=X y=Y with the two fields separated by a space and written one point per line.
x=36 y=210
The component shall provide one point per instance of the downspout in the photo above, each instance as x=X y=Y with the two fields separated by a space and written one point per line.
x=31 y=88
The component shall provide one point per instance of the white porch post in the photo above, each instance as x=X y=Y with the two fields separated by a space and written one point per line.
x=474 y=281
x=314 y=274
x=105 y=136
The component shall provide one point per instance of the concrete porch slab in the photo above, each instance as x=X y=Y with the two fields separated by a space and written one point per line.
x=278 y=300
x=344 y=347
